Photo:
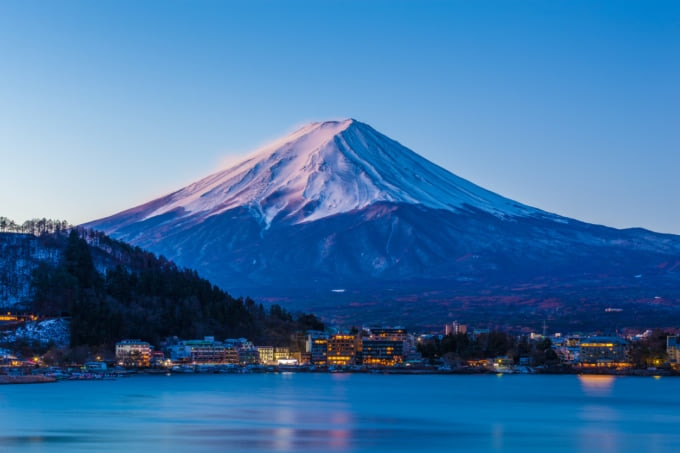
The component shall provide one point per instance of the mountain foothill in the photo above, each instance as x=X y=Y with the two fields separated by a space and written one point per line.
x=110 y=290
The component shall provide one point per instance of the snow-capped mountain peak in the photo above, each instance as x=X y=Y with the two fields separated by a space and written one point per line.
x=328 y=168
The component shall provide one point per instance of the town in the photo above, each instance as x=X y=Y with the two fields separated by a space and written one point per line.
x=456 y=349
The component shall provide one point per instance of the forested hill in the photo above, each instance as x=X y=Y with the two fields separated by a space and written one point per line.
x=111 y=290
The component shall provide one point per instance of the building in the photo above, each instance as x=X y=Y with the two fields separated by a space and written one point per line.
x=206 y=351
x=10 y=318
x=455 y=328
x=231 y=356
x=281 y=353
x=343 y=350
x=603 y=352
x=568 y=349
x=133 y=353
x=673 y=351
x=385 y=346
x=158 y=360
x=297 y=356
x=266 y=354
x=305 y=358
x=378 y=352
x=503 y=364
x=317 y=348
x=247 y=352
x=95 y=367
x=388 y=333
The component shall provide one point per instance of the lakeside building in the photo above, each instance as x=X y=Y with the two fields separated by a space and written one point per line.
x=610 y=352
x=281 y=353
x=297 y=355
x=503 y=364
x=382 y=353
x=343 y=350
x=317 y=348
x=673 y=351
x=158 y=360
x=133 y=353
x=206 y=351
x=376 y=346
x=386 y=346
x=248 y=356
x=568 y=349
x=247 y=352
x=388 y=333
x=95 y=367
x=266 y=354
x=8 y=359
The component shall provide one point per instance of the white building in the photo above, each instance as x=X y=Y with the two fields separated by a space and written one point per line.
x=133 y=353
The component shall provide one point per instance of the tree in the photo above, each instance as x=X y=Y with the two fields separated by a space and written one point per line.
x=307 y=321
x=78 y=261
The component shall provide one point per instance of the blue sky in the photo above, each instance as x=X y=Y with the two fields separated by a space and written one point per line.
x=569 y=106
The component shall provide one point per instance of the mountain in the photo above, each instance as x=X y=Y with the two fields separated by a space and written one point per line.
x=335 y=214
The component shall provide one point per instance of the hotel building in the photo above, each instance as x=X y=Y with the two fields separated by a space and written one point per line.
x=343 y=349
x=133 y=353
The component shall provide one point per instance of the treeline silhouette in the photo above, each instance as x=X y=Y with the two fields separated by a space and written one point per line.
x=35 y=227
x=463 y=347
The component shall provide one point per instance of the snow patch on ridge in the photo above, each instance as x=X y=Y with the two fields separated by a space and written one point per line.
x=51 y=330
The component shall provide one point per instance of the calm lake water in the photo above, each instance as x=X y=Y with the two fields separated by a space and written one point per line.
x=344 y=412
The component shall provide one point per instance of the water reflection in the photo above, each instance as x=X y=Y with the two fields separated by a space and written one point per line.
x=599 y=414
x=596 y=385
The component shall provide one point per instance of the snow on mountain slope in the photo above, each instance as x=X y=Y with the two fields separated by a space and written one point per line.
x=325 y=169
x=51 y=330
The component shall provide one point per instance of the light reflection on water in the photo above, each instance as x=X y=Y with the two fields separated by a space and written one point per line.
x=596 y=385
x=343 y=412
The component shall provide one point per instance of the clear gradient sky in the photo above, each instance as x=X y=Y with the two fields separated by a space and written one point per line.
x=569 y=106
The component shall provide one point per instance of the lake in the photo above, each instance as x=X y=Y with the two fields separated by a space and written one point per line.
x=316 y=412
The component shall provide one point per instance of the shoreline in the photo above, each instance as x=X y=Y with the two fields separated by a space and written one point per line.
x=32 y=379
x=70 y=375
x=421 y=371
